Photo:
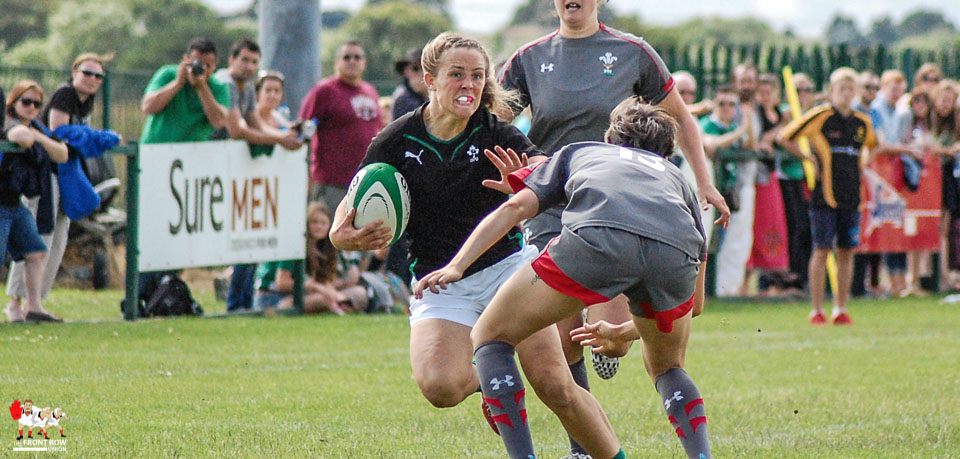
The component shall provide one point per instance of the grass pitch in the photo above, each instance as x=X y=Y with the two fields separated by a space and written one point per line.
x=342 y=387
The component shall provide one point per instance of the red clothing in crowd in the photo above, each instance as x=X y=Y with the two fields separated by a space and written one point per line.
x=348 y=117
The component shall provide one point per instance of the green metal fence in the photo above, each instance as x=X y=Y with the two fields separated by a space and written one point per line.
x=712 y=64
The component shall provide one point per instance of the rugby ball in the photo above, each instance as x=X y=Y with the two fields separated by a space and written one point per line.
x=379 y=192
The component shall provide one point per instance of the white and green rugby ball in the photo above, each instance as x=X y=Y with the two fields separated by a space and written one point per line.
x=379 y=192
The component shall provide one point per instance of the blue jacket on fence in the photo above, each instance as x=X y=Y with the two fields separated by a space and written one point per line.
x=77 y=196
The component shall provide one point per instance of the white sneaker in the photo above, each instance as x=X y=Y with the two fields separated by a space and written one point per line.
x=606 y=367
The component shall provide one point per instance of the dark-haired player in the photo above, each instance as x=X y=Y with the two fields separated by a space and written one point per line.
x=645 y=241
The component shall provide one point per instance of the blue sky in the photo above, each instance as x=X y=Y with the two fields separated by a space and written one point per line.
x=807 y=17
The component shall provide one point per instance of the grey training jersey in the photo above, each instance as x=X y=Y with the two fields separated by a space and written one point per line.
x=628 y=189
x=572 y=85
x=246 y=100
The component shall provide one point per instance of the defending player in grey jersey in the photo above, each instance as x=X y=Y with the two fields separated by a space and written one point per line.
x=648 y=246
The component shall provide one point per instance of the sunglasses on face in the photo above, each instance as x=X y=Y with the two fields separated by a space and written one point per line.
x=871 y=87
x=352 y=57
x=28 y=102
x=91 y=73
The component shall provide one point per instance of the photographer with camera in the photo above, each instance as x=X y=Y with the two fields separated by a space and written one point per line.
x=183 y=102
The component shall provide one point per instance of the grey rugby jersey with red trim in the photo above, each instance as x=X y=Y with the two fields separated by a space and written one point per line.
x=599 y=184
x=572 y=85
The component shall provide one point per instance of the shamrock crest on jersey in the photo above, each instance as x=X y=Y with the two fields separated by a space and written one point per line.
x=474 y=153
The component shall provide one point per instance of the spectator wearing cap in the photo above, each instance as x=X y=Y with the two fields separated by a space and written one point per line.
x=412 y=93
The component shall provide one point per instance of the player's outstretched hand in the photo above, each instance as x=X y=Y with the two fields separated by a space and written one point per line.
x=371 y=237
x=606 y=338
x=439 y=278
x=710 y=195
x=507 y=161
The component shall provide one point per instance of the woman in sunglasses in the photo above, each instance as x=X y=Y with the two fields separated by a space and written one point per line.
x=27 y=174
x=71 y=103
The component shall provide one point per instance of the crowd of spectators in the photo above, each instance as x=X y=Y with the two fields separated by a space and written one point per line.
x=740 y=128
x=765 y=250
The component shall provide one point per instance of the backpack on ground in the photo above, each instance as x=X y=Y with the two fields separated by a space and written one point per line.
x=172 y=298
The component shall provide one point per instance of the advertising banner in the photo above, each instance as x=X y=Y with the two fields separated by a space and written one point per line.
x=210 y=204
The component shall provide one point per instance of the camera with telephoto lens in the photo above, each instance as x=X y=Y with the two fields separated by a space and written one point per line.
x=197 y=68
x=305 y=129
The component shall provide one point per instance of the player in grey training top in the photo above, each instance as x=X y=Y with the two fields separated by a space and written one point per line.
x=644 y=241
x=571 y=79
x=588 y=180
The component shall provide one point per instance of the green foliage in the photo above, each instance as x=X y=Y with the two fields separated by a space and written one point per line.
x=922 y=22
x=22 y=20
x=883 y=31
x=659 y=37
x=437 y=6
x=332 y=19
x=725 y=31
x=386 y=31
x=145 y=34
x=843 y=30
x=341 y=386
x=164 y=29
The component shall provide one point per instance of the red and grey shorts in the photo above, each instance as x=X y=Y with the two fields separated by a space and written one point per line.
x=595 y=264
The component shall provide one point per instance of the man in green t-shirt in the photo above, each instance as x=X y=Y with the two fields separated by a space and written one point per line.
x=181 y=105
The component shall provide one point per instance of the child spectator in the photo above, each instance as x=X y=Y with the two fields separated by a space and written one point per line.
x=841 y=139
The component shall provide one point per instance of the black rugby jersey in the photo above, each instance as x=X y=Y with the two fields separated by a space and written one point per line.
x=838 y=142
x=447 y=198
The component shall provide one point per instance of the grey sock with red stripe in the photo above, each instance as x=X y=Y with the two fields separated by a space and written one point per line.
x=685 y=410
x=503 y=391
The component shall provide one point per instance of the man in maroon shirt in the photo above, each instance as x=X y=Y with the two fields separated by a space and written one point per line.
x=348 y=117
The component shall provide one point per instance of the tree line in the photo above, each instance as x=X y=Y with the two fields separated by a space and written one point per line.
x=146 y=34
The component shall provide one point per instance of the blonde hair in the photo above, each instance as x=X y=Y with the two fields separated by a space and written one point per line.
x=101 y=59
x=497 y=100
x=891 y=76
x=844 y=74
x=928 y=67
